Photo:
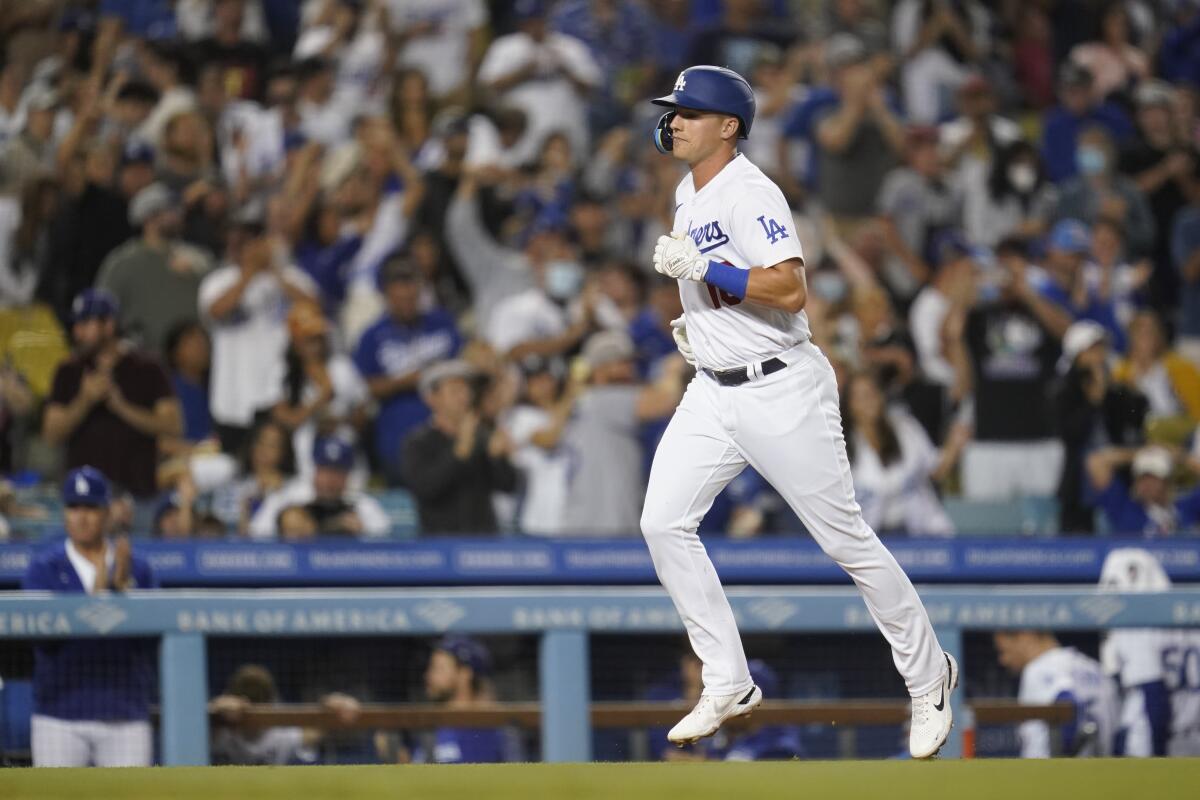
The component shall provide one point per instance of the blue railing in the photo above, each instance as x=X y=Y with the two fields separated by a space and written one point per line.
x=563 y=618
x=568 y=562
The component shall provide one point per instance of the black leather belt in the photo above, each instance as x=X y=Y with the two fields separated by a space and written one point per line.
x=739 y=375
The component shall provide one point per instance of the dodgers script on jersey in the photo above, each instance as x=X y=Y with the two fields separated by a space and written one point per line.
x=1066 y=675
x=741 y=218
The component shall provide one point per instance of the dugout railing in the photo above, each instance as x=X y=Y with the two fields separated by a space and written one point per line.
x=563 y=619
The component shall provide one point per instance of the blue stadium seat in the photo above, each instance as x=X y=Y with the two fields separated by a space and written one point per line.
x=1028 y=515
x=401 y=509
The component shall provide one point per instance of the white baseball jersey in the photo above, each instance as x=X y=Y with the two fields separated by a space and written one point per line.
x=741 y=218
x=1136 y=657
x=1139 y=656
x=786 y=423
x=1065 y=674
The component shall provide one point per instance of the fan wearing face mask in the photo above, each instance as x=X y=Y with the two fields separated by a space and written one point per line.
x=1100 y=192
x=554 y=315
x=1011 y=198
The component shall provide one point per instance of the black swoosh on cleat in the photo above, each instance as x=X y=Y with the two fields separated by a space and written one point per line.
x=750 y=694
x=940 y=704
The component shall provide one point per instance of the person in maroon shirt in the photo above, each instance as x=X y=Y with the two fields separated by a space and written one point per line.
x=109 y=402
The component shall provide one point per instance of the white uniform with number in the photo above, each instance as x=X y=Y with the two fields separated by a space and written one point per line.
x=1066 y=675
x=1136 y=657
x=786 y=425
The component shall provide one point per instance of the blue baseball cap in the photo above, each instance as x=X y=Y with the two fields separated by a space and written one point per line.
x=1070 y=236
x=94 y=304
x=530 y=9
x=467 y=652
x=951 y=246
x=86 y=486
x=333 y=451
x=293 y=139
x=137 y=152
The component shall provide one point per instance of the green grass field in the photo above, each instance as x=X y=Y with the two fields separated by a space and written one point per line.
x=831 y=780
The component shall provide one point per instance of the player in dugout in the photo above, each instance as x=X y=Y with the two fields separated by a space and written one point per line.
x=1051 y=673
x=91 y=697
x=458 y=677
x=1156 y=669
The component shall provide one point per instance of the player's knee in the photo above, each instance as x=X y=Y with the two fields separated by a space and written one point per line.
x=656 y=524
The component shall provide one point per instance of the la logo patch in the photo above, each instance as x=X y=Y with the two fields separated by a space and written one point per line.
x=772 y=229
x=680 y=82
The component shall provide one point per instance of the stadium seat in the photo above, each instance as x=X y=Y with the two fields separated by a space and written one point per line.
x=401 y=510
x=1032 y=515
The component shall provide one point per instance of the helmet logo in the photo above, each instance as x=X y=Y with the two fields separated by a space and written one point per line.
x=81 y=485
x=681 y=82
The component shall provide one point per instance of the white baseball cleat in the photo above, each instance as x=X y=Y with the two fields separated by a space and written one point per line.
x=711 y=711
x=931 y=716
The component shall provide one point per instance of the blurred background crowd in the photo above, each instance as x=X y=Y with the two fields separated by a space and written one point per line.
x=284 y=269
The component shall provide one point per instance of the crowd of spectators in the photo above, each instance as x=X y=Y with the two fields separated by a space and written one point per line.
x=262 y=259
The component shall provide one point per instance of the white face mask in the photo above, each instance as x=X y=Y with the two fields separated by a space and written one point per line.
x=564 y=279
x=1022 y=177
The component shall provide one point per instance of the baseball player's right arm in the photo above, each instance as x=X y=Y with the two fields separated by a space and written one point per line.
x=776 y=286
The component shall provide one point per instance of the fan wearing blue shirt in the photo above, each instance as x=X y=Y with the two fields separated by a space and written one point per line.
x=91 y=697
x=1079 y=107
x=1067 y=249
x=456 y=677
x=1148 y=505
x=392 y=354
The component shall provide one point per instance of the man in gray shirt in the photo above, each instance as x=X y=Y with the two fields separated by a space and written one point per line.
x=859 y=138
x=155 y=277
x=606 y=479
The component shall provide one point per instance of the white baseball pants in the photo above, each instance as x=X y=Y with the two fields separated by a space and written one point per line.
x=787 y=426
x=90 y=743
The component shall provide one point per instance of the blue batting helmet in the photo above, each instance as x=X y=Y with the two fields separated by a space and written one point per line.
x=86 y=486
x=706 y=88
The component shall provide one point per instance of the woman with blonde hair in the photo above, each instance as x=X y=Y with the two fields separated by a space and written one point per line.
x=1168 y=380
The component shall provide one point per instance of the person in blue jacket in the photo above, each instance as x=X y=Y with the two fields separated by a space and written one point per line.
x=91 y=697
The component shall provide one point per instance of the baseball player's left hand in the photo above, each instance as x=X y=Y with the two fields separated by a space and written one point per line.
x=676 y=256
x=679 y=332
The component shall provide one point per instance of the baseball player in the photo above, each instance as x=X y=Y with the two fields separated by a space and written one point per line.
x=91 y=697
x=1157 y=669
x=1051 y=673
x=764 y=396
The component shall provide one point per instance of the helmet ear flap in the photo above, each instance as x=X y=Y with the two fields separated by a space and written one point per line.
x=664 y=140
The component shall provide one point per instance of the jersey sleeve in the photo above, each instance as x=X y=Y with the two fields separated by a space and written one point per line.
x=1188 y=508
x=38 y=576
x=505 y=56
x=212 y=287
x=366 y=355
x=762 y=227
x=375 y=521
x=1133 y=656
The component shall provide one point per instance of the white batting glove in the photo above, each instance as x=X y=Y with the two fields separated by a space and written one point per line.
x=676 y=256
x=679 y=332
